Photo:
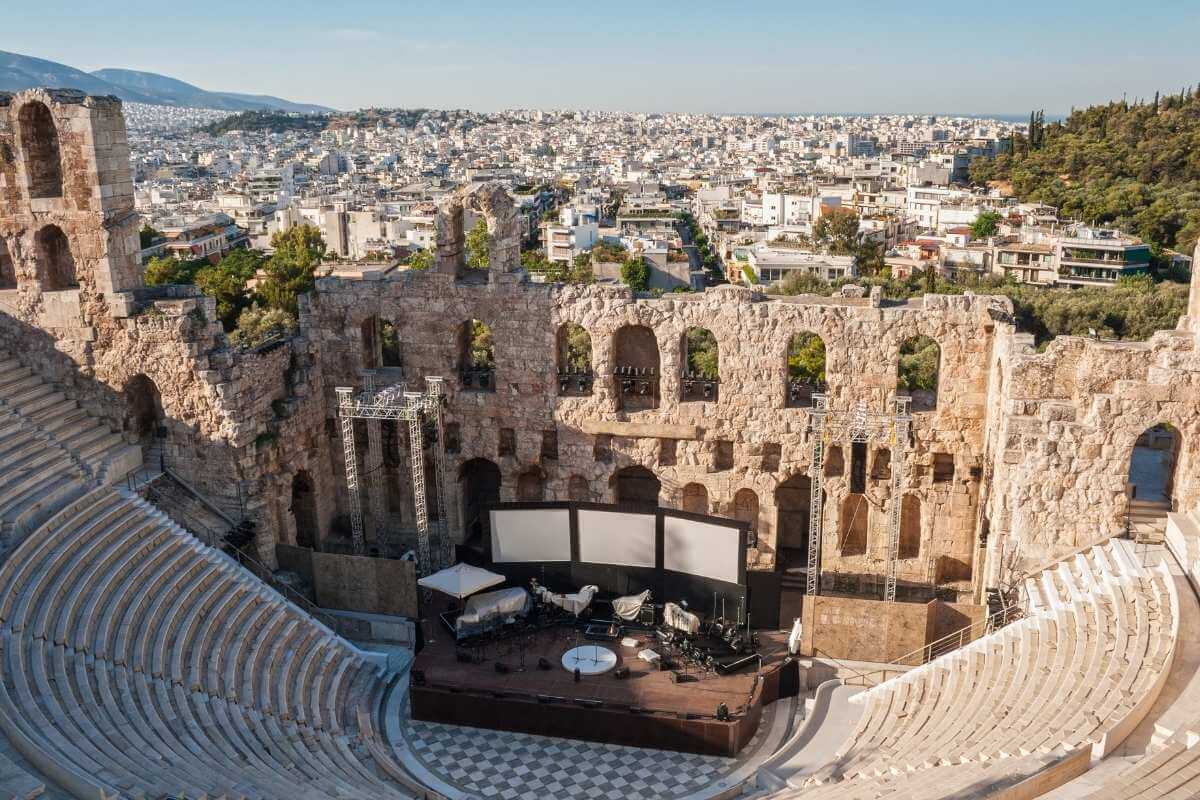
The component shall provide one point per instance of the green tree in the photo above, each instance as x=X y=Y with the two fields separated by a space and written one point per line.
x=257 y=324
x=482 y=349
x=702 y=354
x=420 y=260
x=806 y=359
x=869 y=257
x=165 y=270
x=578 y=348
x=228 y=288
x=148 y=235
x=837 y=230
x=581 y=270
x=635 y=273
x=291 y=271
x=919 y=360
x=479 y=241
x=985 y=225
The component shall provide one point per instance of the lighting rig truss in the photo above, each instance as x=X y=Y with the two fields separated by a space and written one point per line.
x=856 y=425
x=395 y=402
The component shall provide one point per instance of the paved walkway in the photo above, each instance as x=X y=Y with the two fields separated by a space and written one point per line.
x=516 y=766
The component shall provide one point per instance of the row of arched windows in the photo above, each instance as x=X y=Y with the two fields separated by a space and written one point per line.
x=54 y=259
x=636 y=373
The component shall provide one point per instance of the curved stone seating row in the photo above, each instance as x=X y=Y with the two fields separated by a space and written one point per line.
x=16 y=783
x=1079 y=672
x=1173 y=771
x=135 y=660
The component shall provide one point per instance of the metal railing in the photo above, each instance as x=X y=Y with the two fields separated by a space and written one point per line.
x=939 y=647
x=190 y=523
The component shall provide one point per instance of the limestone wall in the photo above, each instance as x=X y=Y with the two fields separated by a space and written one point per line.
x=682 y=442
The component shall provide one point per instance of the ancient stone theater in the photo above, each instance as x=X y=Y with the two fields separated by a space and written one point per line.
x=466 y=534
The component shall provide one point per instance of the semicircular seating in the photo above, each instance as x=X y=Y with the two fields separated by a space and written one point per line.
x=1077 y=674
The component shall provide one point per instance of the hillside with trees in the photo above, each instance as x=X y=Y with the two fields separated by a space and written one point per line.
x=273 y=121
x=1130 y=165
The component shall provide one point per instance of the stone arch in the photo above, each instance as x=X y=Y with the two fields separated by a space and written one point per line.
x=1152 y=463
x=531 y=485
x=695 y=498
x=56 y=263
x=578 y=489
x=910 y=527
x=918 y=372
x=804 y=368
x=636 y=367
x=144 y=415
x=479 y=481
x=40 y=151
x=853 y=525
x=701 y=361
x=636 y=486
x=476 y=356
x=496 y=208
x=304 y=509
x=8 y=268
x=793 y=500
x=745 y=509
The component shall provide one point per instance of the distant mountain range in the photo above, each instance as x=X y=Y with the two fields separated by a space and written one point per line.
x=19 y=72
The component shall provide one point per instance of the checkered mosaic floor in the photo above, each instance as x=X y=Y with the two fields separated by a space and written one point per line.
x=517 y=766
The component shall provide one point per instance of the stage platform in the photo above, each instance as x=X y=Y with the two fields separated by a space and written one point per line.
x=649 y=708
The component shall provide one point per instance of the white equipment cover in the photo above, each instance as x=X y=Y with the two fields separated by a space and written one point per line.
x=490 y=605
x=575 y=603
x=630 y=605
x=461 y=580
x=794 y=637
x=682 y=620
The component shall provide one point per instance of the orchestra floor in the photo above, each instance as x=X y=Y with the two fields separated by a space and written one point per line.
x=649 y=708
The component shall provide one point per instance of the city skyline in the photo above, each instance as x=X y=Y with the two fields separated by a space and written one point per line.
x=774 y=58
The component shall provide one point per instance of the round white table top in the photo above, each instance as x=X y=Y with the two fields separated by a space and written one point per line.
x=589 y=659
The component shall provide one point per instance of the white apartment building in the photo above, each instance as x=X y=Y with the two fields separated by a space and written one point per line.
x=575 y=233
x=773 y=264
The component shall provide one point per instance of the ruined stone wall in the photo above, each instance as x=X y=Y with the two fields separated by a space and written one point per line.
x=1071 y=416
x=683 y=442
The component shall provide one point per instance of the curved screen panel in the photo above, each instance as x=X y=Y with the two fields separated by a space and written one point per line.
x=542 y=534
x=698 y=548
x=611 y=537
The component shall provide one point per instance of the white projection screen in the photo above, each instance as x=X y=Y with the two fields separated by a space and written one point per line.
x=542 y=534
x=698 y=548
x=610 y=537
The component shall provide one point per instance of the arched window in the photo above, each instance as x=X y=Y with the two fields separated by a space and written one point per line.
x=8 y=269
x=636 y=486
x=695 y=498
x=701 y=365
x=635 y=367
x=805 y=368
x=856 y=512
x=40 y=148
x=578 y=489
x=574 y=358
x=477 y=357
x=910 y=526
x=304 y=509
x=389 y=345
x=56 y=264
x=143 y=409
x=1152 y=471
x=917 y=373
x=479 y=480
x=793 y=500
x=531 y=485
x=745 y=509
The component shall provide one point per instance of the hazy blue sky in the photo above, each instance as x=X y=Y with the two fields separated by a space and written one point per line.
x=968 y=56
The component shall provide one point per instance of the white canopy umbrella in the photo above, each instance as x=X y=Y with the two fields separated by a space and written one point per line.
x=461 y=580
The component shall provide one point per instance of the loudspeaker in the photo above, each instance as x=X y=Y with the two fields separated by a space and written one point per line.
x=646 y=614
x=502 y=668
x=683 y=677
x=723 y=712
x=544 y=664
x=621 y=673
